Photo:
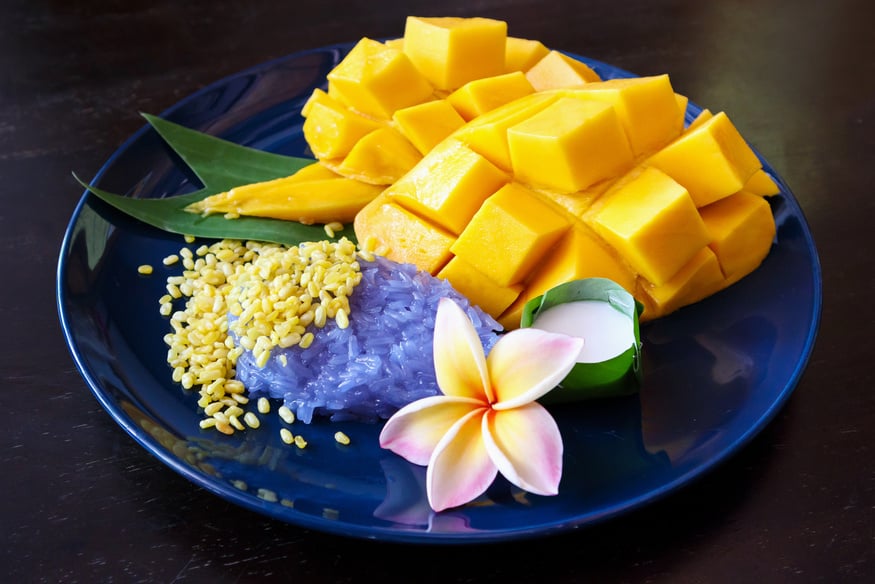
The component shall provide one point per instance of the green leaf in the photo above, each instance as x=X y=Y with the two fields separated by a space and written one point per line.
x=220 y=165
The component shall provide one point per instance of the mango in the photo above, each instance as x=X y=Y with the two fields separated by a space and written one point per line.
x=487 y=134
x=451 y=51
x=652 y=221
x=427 y=124
x=314 y=194
x=711 y=161
x=697 y=279
x=510 y=234
x=402 y=236
x=557 y=71
x=380 y=158
x=647 y=107
x=519 y=169
x=760 y=183
x=522 y=54
x=741 y=229
x=449 y=186
x=479 y=288
x=570 y=145
x=479 y=96
x=377 y=80
x=332 y=130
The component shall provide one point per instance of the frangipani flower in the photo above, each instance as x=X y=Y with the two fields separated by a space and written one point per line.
x=487 y=420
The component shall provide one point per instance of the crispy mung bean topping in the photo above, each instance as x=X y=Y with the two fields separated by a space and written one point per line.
x=250 y=296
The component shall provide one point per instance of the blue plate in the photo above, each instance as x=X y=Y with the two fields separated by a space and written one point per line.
x=715 y=373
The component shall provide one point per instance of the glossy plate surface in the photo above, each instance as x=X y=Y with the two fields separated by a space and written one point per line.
x=715 y=372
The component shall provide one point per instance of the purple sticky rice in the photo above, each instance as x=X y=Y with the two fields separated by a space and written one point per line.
x=382 y=361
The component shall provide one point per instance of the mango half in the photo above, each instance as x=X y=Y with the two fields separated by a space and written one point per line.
x=563 y=185
x=509 y=168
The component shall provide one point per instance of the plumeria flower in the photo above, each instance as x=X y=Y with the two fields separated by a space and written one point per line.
x=487 y=420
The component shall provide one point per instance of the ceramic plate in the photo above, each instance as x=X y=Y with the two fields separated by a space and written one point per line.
x=715 y=372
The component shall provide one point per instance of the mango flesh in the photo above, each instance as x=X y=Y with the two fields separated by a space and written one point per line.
x=443 y=47
x=314 y=194
x=639 y=224
x=519 y=169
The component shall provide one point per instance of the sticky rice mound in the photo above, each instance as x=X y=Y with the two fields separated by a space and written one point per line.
x=382 y=361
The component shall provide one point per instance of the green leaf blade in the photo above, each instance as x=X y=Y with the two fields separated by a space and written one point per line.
x=220 y=165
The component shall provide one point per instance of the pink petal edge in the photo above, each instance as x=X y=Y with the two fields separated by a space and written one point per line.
x=460 y=469
x=527 y=363
x=526 y=446
x=414 y=431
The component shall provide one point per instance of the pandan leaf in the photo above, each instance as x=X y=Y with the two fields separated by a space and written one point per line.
x=220 y=165
x=620 y=375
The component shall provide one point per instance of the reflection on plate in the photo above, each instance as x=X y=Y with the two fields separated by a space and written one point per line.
x=715 y=372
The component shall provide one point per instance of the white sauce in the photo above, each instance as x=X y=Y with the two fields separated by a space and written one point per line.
x=606 y=331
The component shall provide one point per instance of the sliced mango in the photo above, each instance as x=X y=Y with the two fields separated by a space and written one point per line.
x=557 y=71
x=402 y=236
x=426 y=124
x=522 y=54
x=652 y=222
x=377 y=80
x=569 y=146
x=451 y=51
x=742 y=230
x=760 y=183
x=332 y=130
x=449 y=186
x=381 y=158
x=314 y=194
x=477 y=97
x=487 y=134
x=711 y=161
x=647 y=107
x=697 y=279
x=479 y=288
x=510 y=234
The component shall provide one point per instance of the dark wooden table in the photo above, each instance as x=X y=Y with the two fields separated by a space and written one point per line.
x=82 y=502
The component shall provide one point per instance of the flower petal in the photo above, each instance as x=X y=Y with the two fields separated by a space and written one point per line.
x=415 y=430
x=459 y=361
x=526 y=363
x=460 y=469
x=526 y=446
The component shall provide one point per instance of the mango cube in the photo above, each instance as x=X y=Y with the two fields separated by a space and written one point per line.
x=451 y=51
x=579 y=254
x=427 y=123
x=510 y=234
x=448 y=186
x=477 y=287
x=711 y=161
x=487 y=134
x=760 y=183
x=647 y=107
x=522 y=54
x=569 y=146
x=559 y=71
x=380 y=158
x=698 y=278
x=652 y=222
x=332 y=130
x=403 y=237
x=377 y=80
x=477 y=97
x=742 y=229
